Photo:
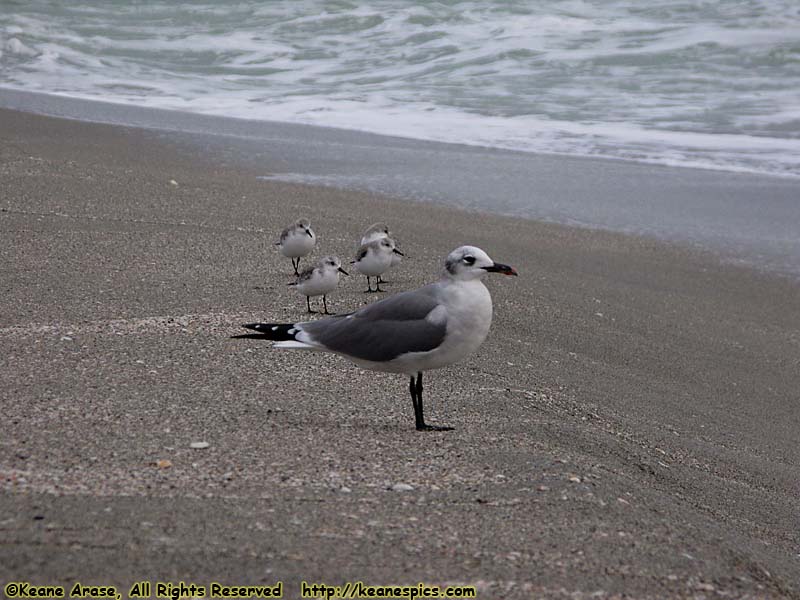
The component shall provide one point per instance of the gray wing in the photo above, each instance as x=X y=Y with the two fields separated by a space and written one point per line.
x=383 y=330
x=306 y=274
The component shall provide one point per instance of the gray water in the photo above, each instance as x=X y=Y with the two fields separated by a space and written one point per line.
x=708 y=84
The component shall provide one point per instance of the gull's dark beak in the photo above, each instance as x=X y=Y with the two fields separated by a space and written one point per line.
x=308 y=231
x=396 y=251
x=501 y=268
x=341 y=270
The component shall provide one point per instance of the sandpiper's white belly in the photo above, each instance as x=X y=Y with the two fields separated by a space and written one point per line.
x=374 y=263
x=319 y=284
x=297 y=245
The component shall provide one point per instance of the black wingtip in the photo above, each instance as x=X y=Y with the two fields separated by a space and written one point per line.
x=276 y=332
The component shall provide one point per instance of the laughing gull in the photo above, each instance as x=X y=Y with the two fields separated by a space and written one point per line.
x=319 y=280
x=374 y=258
x=377 y=231
x=411 y=332
x=297 y=240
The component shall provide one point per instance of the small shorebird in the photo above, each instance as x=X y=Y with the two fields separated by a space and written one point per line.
x=374 y=258
x=374 y=232
x=411 y=332
x=297 y=240
x=377 y=231
x=319 y=279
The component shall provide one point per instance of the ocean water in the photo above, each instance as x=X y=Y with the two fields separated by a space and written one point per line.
x=685 y=83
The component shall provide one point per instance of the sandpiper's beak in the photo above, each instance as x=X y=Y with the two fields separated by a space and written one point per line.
x=501 y=268
x=341 y=270
x=396 y=251
x=308 y=231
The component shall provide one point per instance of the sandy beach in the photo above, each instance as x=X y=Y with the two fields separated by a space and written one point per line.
x=629 y=428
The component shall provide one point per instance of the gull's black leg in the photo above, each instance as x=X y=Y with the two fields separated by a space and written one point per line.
x=325 y=304
x=369 y=286
x=308 y=304
x=420 y=421
x=378 y=284
x=296 y=265
x=421 y=417
x=416 y=396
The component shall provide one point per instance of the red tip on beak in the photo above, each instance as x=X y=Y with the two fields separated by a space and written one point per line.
x=501 y=268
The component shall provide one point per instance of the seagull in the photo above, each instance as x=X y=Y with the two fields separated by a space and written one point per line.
x=377 y=231
x=297 y=240
x=374 y=258
x=410 y=332
x=319 y=280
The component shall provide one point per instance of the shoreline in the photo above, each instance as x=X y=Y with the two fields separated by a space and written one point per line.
x=745 y=219
x=629 y=426
x=146 y=117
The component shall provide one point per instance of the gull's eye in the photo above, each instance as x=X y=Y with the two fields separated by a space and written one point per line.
x=469 y=260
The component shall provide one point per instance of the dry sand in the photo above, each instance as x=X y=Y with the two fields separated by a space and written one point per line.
x=630 y=426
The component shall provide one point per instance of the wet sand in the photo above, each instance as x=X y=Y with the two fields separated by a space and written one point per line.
x=746 y=219
x=629 y=426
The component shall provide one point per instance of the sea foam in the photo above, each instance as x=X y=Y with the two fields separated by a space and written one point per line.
x=711 y=86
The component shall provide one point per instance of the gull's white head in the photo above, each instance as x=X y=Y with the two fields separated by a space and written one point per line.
x=469 y=262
